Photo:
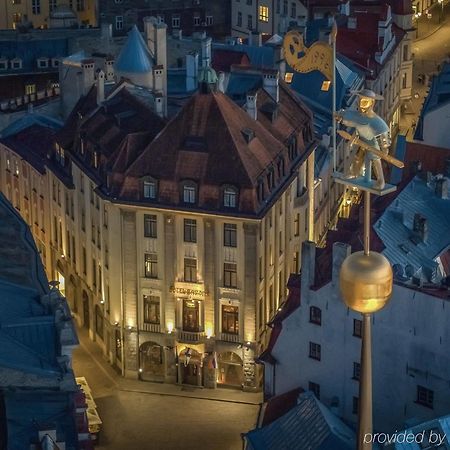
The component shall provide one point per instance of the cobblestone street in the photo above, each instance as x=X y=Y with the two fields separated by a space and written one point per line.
x=138 y=415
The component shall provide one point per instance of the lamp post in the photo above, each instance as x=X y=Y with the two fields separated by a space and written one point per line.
x=366 y=286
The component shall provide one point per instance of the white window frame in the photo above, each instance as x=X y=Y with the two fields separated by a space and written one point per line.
x=119 y=23
x=209 y=21
x=176 y=21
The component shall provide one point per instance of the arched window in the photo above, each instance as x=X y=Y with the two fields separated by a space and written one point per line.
x=230 y=197
x=189 y=192
x=315 y=315
x=149 y=187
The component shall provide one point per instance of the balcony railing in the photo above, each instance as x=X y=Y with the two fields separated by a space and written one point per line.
x=228 y=337
x=190 y=336
x=152 y=327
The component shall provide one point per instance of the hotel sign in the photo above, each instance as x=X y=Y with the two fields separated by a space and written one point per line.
x=187 y=291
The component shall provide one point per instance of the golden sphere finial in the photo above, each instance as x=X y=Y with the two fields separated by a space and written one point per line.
x=366 y=282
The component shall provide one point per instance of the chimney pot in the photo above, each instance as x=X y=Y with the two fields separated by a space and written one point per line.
x=420 y=226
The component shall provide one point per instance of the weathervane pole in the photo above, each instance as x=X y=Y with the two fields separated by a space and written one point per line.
x=333 y=39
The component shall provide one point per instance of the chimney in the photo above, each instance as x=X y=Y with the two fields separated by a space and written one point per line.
x=221 y=83
x=344 y=8
x=257 y=38
x=106 y=31
x=100 y=87
x=308 y=269
x=206 y=52
x=420 y=226
x=271 y=85
x=441 y=188
x=250 y=105
x=159 y=105
x=352 y=23
x=250 y=38
x=88 y=76
x=340 y=252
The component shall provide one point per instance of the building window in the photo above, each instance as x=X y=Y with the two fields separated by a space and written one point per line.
x=151 y=265
x=296 y=263
x=30 y=89
x=149 y=189
x=264 y=13
x=293 y=10
x=80 y=5
x=190 y=270
x=150 y=226
x=355 y=405
x=196 y=21
x=190 y=230
x=151 y=309
x=297 y=225
x=98 y=321
x=230 y=275
x=209 y=20
x=36 y=6
x=315 y=389
x=271 y=179
x=357 y=328
x=94 y=273
x=229 y=197
x=16 y=64
x=3 y=64
x=285 y=7
x=425 y=396
x=325 y=85
x=249 y=2
x=288 y=77
x=176 y=21
x=189 y=193
x=42 y=63
x=84 y=261
x=404 y=81
x=315 y=315
x=191 y=315
x=356 y=371
x=119 y=23
x=314 y=351
x=229 y=235
x=239 y=19
x=230 y=319
x=278 y=7
x=250 y=22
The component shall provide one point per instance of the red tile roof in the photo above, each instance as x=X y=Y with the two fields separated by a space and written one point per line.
x=206 y=143
x=222 y=59
x=278 y=406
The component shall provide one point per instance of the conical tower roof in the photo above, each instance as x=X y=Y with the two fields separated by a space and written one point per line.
x=135 y=56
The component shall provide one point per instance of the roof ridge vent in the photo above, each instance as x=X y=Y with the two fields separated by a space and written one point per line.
x=248 y=134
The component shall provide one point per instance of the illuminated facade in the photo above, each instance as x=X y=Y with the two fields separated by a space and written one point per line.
x=39 y=13
x=174 y=263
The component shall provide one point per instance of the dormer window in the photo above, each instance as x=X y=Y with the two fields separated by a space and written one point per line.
x=260 y=190
x=16 y=64
x=189 y=192
x=55 y=62
x=3 y=64
x=230 y=197
x=42 y=63
x=149 y=188
x=292 y=146
x=271 y=179
x=95 y=159
x=280 y=167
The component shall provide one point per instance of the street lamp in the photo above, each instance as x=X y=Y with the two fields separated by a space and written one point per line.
x=366 y=285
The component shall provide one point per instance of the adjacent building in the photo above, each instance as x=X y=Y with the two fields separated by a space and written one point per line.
x=431 y=127
x=408 y=378
x=47 y=14
x=181 y=17
x=39 y=398
x=265 y=18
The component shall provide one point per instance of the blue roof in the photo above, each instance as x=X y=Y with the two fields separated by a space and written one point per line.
x=135 y=57
x=308 y=425
x=395 y=226
x=28 y=120
x=440 y=426
x=33 y=411
x=438 y=95
x=30 y=51
x=240 y=83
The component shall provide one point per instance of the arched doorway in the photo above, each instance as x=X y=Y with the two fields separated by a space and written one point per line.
x=152 y=361
x=231 y=371
x=190 y=363
x=85 y=310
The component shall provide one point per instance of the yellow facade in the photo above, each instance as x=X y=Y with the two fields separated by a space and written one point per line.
x=14 y=12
